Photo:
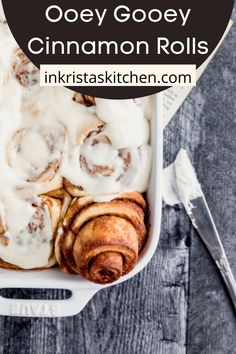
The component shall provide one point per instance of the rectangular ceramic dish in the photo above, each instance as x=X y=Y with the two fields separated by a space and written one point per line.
x=83 y=290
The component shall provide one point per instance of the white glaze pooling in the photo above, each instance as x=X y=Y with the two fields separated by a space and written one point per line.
x=50 y=125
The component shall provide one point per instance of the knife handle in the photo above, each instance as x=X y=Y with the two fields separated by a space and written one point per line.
x=228 y=277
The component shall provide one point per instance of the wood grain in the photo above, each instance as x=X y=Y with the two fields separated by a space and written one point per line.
x=211 y=320
x=178 y=304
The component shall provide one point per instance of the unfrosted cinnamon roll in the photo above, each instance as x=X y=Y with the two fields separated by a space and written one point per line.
x=101 y=241
x=64 y=197
x=35 y=155
x=33 y=246
x=24 y=70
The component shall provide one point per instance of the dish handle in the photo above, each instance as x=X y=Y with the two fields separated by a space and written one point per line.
x=47 y=308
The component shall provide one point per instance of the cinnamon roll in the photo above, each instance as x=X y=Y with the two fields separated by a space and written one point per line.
x=64 y=197
x=24 y=70
x=33 y=246
x=101 y=241
x=35 y=154
x=97 y=167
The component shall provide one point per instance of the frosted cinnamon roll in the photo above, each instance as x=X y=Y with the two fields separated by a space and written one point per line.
x=35 y=154
x=101 y=241
x=97 y=167
x=24 y=70
x=33 y=246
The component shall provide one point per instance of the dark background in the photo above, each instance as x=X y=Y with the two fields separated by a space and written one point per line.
x=178 y=304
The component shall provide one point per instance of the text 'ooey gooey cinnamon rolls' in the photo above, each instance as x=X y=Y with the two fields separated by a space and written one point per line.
x=101 y=240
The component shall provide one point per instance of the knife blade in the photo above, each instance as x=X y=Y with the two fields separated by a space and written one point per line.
x=203 y=222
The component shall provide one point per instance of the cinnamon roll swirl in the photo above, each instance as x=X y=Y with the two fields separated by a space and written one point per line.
x=97 y=167
x=24 y=70
x=35 y=155
x=85 y=100
x=33 y=246
x=101 y=241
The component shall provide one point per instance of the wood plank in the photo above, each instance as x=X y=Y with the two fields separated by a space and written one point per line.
x=211 y=319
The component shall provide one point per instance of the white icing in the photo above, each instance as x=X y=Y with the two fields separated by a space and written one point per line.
x=29 y=249
x=41 y=126
x=101 y=154
x=186 y=178
x=2 y=15
x=126 y=124
x=145 y=104
x=180 y=182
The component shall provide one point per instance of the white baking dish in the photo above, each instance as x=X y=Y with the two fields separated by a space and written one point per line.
x=83 y=290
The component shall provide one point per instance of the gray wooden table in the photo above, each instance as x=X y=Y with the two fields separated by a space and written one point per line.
x=178 y=304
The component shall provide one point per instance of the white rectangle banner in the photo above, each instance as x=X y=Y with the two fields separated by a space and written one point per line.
x=118 y=75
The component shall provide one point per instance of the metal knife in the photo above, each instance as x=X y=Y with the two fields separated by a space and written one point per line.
x=203 y=222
